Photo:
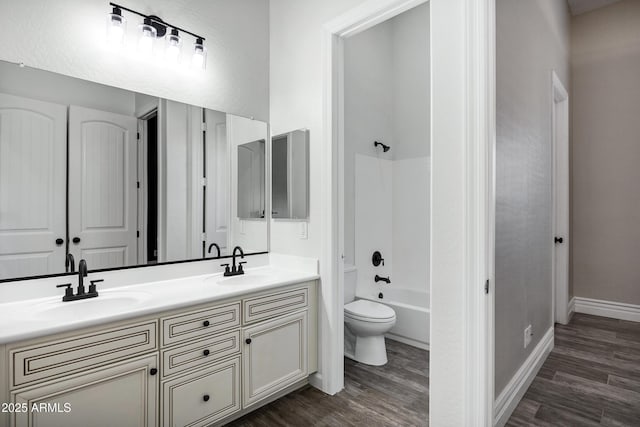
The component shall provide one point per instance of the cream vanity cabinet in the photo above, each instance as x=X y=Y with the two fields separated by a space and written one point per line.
x=197 y=366
x=101 y=378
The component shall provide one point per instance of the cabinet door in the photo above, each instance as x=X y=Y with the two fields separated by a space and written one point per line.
x=274 y=356
x=123 y=395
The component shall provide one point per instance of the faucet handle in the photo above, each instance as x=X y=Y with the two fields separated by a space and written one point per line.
x=240 y=269
x=226 y=267
x=92 y=286
x=68 y=292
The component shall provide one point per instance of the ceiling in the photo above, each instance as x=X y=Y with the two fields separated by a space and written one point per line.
x=581 y=6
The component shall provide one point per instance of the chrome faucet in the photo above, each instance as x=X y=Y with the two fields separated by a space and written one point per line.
x=80 y=294
x=235 y=271
x=211 y=246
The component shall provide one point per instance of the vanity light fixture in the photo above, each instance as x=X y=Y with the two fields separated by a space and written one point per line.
x=116 y=26
x=199 y=58
x=148 y=35
x=151 y=29
x=174 y=44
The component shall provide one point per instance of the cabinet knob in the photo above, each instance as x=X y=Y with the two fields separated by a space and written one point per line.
x=59 y=241
x=248 y=340
x=153 y=371
x=76 y=240
x=205 y=398
x=206 y=352
x=205 y=323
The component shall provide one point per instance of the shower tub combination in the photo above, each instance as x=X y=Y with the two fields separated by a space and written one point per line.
x=412 y=308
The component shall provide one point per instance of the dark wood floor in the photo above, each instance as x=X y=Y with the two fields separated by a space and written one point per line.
x=396 y=394
x=591 y=378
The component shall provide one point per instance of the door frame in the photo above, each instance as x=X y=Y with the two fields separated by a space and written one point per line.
x=559 y=104
x=462 y=203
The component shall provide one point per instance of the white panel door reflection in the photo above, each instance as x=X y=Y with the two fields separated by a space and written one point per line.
x=102 y=188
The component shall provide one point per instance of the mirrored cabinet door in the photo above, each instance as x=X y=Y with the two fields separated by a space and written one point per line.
x=290 y=175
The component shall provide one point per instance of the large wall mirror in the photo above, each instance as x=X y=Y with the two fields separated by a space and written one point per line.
x=120 y=178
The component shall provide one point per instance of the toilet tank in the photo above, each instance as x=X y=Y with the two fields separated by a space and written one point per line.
x=350 y=281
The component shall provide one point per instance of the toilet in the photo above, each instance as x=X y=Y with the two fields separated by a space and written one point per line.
x=365 y=323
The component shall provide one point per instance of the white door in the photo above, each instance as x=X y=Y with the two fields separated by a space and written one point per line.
x=561 y=200
x=123 y=395
x=217 y=190
x=32 y=187
x=102 y=188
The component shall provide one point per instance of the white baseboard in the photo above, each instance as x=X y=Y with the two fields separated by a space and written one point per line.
x=509 y=398
x=615 y=310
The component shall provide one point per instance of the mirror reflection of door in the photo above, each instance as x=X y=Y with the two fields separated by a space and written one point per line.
x=102 y=188
x=32 y=187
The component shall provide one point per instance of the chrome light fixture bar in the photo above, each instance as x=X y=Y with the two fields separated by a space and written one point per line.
x=151 y=29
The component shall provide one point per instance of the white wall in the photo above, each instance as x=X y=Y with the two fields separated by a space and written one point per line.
x=386 y=99
x=68 y=37
x=368 y=116
x=374 y=212
x=411 y=222
x=51 y=87
x=532 y=40
x=296 y=101
x=411 y=83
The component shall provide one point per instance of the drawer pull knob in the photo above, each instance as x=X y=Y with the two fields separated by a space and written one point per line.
x=205 y=397
x=206 y=352
x=153 y=371
x=248 y=340
x=205 y=323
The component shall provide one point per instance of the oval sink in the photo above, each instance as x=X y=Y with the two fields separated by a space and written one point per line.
x=105 y=303
x=245 y=279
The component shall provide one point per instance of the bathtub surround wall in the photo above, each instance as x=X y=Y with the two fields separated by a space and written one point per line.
x=68 y=37
x=532 y=40
x=381 y=105
x=605 y=59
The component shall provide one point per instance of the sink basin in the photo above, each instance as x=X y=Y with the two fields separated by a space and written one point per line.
x=105 y=303
x=245 y=279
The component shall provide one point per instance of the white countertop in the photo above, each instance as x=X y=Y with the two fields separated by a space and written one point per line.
x=37 y=317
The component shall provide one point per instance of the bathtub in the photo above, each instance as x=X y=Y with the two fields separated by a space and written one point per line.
x=412 y=309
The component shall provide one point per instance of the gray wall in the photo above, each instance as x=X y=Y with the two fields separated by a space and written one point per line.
x=532 y=40
x=606 y=152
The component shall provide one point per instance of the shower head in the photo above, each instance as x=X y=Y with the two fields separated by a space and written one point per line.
x=385 y=147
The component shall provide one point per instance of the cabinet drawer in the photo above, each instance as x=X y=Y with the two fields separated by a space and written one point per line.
x=199 y=353
x=55 y=359
x=199 y=323
x=203 y=397
x=264 y=307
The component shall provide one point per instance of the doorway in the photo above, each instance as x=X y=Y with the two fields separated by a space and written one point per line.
x=560 y=191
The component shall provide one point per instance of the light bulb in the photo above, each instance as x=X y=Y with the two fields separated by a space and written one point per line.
x=116 y=26
x=147 y=37
x=173 y=46
x=199 y=58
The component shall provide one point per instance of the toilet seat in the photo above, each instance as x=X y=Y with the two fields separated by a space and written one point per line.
x=369 y=311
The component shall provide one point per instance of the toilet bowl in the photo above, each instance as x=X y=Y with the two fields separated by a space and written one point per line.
x=366 y=322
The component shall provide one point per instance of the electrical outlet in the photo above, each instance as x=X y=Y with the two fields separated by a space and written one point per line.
x=528 y=333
